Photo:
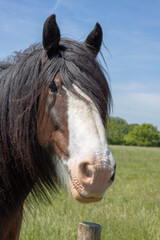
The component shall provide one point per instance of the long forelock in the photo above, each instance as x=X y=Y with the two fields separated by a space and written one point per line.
x=78 y=67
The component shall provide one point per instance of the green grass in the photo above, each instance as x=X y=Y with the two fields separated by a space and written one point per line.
x=130 y=209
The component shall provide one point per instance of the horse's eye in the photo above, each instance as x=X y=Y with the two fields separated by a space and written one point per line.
x=53 y=90
x=53 y=87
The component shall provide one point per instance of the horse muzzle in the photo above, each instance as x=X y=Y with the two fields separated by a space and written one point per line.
x=90 y=181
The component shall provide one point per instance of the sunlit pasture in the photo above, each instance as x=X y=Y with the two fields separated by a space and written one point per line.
x=130 y=209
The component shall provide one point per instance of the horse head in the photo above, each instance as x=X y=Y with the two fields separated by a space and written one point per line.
x=72 y=123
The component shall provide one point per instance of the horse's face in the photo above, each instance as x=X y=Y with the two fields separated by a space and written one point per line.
x=73 y=130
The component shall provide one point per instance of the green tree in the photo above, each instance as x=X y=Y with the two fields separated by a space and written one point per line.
x=121 y=123
x=131 y=126
x=143 y=135
x=114 y=134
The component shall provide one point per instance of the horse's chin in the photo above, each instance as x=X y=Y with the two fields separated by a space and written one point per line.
x=81 y=198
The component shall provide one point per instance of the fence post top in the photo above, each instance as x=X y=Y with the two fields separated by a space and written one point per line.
x=89 y=224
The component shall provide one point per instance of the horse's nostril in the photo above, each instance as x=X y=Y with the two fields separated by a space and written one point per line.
x=86 y=169
x=113 y=176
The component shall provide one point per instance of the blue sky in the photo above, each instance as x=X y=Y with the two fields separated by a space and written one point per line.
x=131 y=35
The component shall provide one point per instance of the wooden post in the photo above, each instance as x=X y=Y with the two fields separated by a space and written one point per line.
x=89 y=231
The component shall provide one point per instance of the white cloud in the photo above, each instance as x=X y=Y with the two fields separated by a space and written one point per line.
x=137 y=107
x=56 y=6
x=130 y=87
x=138 y=100
x=150 y=99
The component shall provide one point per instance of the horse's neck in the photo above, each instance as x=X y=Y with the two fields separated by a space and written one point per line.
x=10 y=225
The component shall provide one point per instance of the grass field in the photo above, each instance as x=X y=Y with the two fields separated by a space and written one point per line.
x=130 y=209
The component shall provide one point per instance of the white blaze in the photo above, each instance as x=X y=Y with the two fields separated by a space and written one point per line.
x=87 y=136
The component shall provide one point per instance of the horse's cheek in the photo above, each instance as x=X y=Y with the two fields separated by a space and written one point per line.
x=60 y=141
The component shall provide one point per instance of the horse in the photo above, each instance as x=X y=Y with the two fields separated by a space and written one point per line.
x=54 y=102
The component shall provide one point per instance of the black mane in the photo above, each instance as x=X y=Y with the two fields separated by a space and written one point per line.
x=24 y=165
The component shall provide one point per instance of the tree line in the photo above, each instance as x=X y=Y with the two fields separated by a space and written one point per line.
x=119 y=132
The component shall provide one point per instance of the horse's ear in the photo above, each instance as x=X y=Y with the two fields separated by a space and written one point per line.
x=51 y=35
x=94 y=39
